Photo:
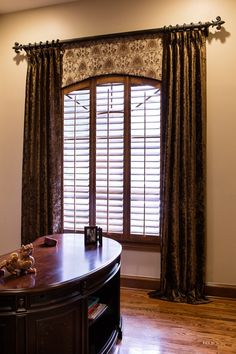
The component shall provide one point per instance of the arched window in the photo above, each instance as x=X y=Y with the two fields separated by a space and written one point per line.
x=112 y=157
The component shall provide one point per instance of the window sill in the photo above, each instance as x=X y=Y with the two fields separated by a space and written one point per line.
x=139 y=245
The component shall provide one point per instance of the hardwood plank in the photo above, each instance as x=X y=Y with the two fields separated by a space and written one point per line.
x=159 y=327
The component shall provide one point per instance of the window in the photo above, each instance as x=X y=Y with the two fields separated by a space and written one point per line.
x=112 y=157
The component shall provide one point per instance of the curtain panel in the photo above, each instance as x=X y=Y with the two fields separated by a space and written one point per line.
x=183 y=167
x=42 y=150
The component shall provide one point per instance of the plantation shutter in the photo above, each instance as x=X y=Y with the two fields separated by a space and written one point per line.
x=110 y=157
x=76 y=159
x=106 y=125
x=145 y=160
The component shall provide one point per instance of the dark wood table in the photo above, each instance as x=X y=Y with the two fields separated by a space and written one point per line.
x=47 y=312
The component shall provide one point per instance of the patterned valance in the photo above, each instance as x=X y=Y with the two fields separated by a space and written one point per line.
x=131 y=55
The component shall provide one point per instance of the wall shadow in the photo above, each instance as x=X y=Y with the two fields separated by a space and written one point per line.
x=18 y=58
x=220 y=35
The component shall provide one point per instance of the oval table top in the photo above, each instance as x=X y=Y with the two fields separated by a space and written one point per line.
x=70 y=260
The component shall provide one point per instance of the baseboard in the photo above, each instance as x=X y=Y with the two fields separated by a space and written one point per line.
x=148 y=283
x=221 y=290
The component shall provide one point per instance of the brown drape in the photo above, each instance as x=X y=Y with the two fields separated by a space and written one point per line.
x=183 y=167
x=42 y=151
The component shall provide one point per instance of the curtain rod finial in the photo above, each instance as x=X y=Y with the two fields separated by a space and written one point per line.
x=218 y=23
x=17 y=47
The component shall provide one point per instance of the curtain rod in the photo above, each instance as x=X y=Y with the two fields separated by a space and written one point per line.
x=218 y=22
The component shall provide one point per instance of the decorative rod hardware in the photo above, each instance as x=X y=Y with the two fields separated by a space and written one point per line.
x=200 y=25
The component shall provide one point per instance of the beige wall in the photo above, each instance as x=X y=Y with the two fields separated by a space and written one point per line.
x=91 y=17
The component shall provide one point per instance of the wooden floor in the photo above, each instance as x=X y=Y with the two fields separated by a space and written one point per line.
x=153 y=326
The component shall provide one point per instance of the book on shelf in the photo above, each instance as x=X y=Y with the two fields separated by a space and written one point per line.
x=96 y=310
x=92 y=308
x=92 y=300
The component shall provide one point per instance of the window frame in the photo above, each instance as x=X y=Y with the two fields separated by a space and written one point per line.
x=133 y=242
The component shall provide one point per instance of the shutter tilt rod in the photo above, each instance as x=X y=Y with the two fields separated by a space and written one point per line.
x=204 y=26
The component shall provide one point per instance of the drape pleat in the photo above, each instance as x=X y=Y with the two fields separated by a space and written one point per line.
x=42 y=150
x=183 y=168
